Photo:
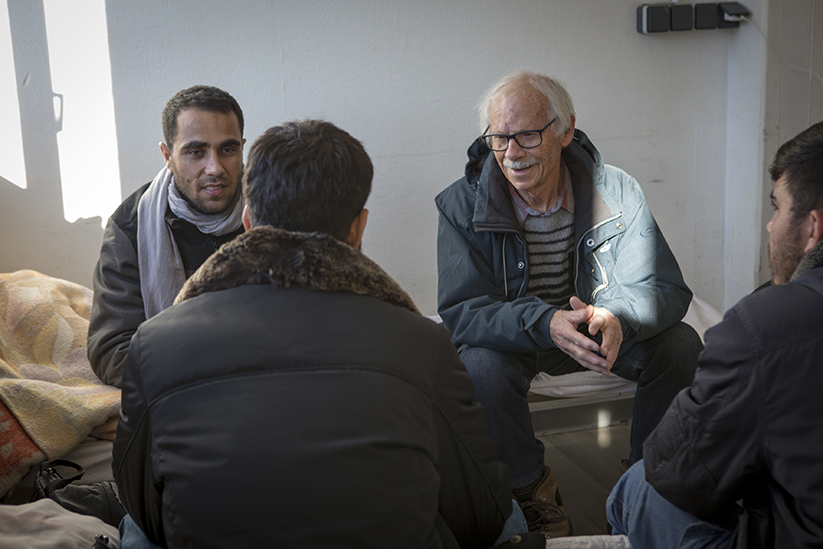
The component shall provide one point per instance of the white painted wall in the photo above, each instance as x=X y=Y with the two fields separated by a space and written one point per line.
x=794 y=94
x=404 y=78
x=745 y=157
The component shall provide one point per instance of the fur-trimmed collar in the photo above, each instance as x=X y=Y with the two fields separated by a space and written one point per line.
x=812 y=260
x=265 y=255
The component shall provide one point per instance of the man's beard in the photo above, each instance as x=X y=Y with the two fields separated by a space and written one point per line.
x=203 y=206
x=786 y=258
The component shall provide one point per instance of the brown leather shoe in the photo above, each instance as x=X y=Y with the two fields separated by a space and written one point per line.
x=544 y=508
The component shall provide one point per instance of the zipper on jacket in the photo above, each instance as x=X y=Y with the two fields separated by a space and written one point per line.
x=603 y=274
x=525 y=282
x=506 y=272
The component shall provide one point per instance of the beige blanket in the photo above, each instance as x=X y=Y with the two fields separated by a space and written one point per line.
x=50 y=399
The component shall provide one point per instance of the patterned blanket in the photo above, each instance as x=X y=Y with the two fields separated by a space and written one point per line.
x=50 y=399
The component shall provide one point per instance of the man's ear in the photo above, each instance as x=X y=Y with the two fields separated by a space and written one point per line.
x=814 y=230
x=356 y=229
x=166 y=152
x=246 y=220
x=569 y=135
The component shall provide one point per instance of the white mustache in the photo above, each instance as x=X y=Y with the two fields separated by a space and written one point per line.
x=519 y=164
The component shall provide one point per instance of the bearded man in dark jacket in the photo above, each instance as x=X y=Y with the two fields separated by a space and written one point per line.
x=293 y=396
x=750 y=427
x=166 y=229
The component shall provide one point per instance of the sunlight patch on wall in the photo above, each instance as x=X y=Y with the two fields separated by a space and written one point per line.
x=13 y=166
x=81 y=73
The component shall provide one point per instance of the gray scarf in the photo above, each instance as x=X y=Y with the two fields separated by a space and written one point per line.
x=158 y=259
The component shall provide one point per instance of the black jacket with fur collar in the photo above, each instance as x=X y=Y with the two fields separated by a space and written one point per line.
x=294 y=397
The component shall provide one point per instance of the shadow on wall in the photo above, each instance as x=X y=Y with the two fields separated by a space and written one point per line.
x=33 y=229
x=35 y=236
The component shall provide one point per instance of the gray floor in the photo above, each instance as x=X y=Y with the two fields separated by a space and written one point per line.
x=587 y=465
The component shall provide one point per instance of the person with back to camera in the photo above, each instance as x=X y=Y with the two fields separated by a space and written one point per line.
x=294 y=396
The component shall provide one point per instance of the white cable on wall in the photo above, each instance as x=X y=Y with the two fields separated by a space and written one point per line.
x=780 y=54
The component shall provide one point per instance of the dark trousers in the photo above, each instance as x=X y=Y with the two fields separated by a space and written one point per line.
x=661 y=366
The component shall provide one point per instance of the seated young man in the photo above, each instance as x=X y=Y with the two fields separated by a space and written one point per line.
x=750 y=427
x=294 y=396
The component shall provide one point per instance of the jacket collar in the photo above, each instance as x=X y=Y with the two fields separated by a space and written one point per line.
x=283 y=259
x=493 y=208
x=812 y=260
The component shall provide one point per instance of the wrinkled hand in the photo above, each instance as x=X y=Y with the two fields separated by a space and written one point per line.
x=563 y=331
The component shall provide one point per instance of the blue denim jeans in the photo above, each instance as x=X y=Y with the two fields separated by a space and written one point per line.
x=661 y=366
x=132 y=537
x=515 y=524
x=636 y=510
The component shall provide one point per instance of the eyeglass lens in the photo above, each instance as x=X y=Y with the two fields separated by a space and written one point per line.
x=527 y=140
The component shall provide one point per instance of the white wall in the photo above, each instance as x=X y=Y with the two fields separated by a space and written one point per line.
x=794 y=76
x=744 y=180
x=775 y=92
x=404 y=78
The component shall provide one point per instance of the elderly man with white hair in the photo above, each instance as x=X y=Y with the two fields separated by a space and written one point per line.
x=550 y=260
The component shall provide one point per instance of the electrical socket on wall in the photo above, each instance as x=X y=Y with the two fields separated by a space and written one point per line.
x=653 y=18
x=657 y=18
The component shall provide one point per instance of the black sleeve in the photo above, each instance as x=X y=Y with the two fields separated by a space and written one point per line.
x=140 y=492
x=117 y=309
x=475 y=491
x=708 y=446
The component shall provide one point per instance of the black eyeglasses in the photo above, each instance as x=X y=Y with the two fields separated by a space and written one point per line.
x=527 y=140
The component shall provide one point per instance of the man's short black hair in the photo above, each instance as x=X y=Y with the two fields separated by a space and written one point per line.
x=801 y=161
x=207 y=98
x=307 y=176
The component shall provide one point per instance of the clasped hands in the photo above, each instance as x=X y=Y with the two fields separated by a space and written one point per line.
x=563 y=331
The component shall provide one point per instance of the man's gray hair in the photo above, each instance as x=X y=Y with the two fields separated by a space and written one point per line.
x=560 y=102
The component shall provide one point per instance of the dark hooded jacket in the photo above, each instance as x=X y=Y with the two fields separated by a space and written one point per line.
x=621 y=260
x=294 y=397
x=750 y=427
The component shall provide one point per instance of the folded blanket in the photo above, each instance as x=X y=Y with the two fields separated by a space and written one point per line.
x=50 y=399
